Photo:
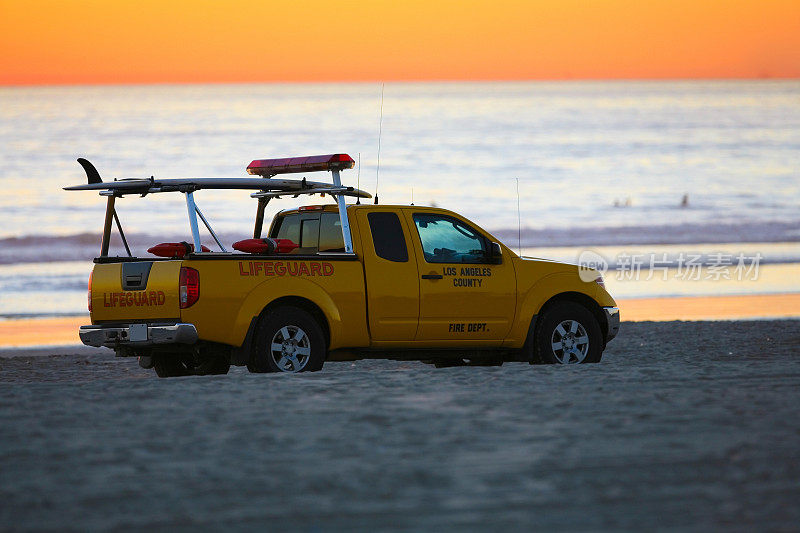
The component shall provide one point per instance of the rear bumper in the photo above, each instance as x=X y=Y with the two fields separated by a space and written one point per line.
x=138 y=335
x=612 y=318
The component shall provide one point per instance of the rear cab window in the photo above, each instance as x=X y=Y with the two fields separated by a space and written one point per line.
x=314 y=232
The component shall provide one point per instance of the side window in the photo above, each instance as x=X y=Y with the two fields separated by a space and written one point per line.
x=330 y=233
x=387 y=236
x=448 y=240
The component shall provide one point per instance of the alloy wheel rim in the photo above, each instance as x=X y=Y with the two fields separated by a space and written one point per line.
x=290 y=349
x=570 y=342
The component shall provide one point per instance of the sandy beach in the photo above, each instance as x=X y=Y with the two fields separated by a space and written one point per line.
x=689 y=425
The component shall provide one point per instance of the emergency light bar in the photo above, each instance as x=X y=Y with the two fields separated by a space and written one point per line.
x=288 y=165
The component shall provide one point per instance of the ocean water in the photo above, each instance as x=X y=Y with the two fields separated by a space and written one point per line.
x=598 y=163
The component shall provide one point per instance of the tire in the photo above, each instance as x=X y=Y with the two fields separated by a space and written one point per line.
x=254 y=367
x=449 y=363
x=170 y=366
x=213 y=365
x=288 y=339
x=177 y=365
x=566 y=333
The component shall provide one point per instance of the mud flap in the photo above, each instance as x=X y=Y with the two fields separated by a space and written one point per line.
x=241 y=356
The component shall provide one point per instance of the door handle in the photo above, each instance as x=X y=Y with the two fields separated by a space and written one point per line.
x=432 y=276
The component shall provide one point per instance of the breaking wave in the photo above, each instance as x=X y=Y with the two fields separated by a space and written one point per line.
x=85 y=246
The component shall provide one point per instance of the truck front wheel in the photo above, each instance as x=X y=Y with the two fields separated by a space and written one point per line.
x=289 y=339
x=567 y=333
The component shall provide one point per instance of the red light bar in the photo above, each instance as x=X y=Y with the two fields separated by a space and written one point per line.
x=288 y=165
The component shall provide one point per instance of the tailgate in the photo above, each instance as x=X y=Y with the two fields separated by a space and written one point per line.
x=135 y=291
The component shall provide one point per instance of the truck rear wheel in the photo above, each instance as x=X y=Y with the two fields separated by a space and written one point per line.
x=176 y=365
x=213 y=364
x=289 y=339
x=567 y=333
x=170 y=366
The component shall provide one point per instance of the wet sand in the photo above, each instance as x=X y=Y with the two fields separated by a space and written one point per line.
x=711 y=307
x=689 y=425
x=60 y=331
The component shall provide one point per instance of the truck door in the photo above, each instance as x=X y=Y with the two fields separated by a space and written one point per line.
x=391 y=275
x=465 y=294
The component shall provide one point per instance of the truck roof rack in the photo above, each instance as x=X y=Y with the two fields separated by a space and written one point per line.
x=266 y=188
x=140 y=186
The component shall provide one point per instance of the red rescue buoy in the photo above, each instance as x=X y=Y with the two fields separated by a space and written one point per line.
x=173 y=250
x=265 y=246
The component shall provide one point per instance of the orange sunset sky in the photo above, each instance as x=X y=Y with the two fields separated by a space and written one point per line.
x=145 y=41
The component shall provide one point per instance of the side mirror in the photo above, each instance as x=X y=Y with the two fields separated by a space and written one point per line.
x=496 y=253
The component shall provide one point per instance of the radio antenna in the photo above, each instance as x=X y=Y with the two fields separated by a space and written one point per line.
x=358 y=182
x=380 y=131
x=412 y=195
x=519 y=223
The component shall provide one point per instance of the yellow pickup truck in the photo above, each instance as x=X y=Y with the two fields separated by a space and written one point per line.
x=335 y=282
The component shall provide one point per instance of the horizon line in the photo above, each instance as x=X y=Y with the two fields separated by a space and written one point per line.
x=398 y=81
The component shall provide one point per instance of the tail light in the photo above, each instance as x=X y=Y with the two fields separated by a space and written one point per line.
x=189 y=287
x=90 y=291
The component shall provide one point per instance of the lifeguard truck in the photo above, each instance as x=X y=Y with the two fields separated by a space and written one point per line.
x=334 y=282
